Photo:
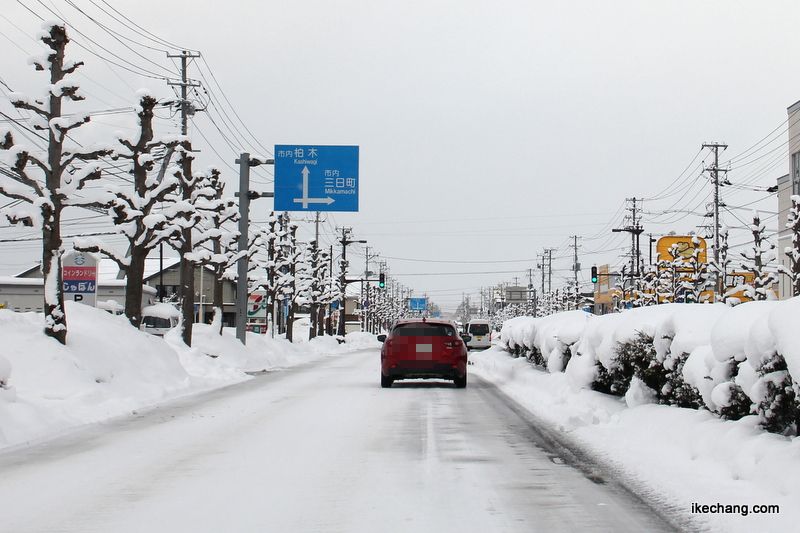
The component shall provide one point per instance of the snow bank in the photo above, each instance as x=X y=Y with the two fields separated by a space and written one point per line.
x=682 y=456
x=108 y=368
x=547 y=340
x=734 y=361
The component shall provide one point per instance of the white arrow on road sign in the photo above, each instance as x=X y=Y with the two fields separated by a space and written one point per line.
x=305 y=200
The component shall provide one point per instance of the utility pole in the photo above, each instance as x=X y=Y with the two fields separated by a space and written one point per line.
x=635 y=229
x=343 y=282
x=549 y=252
x=329 y=322
x=186 y=267
x=366 y=293
x=186 y=107
x=576 y=267
x=530 y=291
x=541 y=267
x=715 y=180
x=343 y=277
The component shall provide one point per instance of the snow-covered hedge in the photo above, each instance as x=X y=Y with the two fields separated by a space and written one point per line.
x=733 y=361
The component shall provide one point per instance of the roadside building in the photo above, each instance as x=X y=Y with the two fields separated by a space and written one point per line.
x=606 y=293
x=784 y=235
x=167 y=284
x=24 y=292
x=515 y=294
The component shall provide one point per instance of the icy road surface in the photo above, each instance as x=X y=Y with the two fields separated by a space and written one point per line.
x=319 y=448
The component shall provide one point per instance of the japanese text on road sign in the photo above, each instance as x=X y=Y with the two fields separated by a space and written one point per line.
x=316 y=178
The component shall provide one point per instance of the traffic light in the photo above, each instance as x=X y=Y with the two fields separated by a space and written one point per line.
x=594 y=274
x=382 y=280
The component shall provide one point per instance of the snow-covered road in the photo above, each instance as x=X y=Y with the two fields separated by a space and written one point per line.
x=319 y=448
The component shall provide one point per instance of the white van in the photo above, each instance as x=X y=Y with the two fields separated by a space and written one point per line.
x=481 y=333
x=159 y=318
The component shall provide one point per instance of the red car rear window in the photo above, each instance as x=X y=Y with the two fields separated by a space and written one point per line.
x=423 y=330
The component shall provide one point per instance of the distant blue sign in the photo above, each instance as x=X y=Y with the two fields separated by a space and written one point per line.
x=417 y=304
x=316 y=178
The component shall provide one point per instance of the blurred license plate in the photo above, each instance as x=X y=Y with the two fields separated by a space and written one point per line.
x=479 y=338
x=424 y=348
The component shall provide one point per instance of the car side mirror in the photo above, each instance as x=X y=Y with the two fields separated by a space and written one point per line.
x=466 y=337
x=382 y=338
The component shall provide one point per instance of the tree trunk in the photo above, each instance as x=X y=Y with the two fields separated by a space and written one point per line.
x=321 y=320
x=187 y=289
x=55 y=319
x=134 y=276
x=218 y=303
x=290 y=322
x=217 y=296
x=312 y=332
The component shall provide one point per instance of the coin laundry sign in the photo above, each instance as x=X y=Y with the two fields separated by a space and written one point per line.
x=316 y=178
x=79 y=277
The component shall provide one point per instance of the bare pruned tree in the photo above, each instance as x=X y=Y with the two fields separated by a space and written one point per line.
x=50 y=180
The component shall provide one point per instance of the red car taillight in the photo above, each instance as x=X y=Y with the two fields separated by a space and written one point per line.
x=455 y=343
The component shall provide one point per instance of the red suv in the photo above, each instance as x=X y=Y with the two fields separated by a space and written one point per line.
x=422 y=348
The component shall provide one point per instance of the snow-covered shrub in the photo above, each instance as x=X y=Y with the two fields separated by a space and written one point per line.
x=731 y=400
x=535 y=356
x=733 y=361
x=633 y=358
x=676 y=391
x=777 y=405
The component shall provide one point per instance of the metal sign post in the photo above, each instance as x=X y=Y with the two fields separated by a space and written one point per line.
x=245 y=161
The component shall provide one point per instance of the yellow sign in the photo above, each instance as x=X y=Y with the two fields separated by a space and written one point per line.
x=682 y=247
x=2 y=306
x=736 y=279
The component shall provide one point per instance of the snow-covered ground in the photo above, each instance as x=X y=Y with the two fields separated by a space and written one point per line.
x=110 y=369
x=679 y=455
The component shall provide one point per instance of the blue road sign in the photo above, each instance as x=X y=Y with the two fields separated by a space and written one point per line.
x=316 y=178
x=418 y=304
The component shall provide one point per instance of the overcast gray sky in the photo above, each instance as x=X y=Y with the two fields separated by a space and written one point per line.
x=487 y=130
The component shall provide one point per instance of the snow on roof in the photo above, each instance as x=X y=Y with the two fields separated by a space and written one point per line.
x=161 y=310
x=353 y=289
x=108 y=270
x=34 y=282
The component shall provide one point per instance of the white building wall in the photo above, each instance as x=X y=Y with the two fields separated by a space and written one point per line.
x=784 y=237
x=25 y=294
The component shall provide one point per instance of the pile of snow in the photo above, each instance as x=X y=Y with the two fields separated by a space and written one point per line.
x=108 y=368
x=682 y=456
x=547 y=340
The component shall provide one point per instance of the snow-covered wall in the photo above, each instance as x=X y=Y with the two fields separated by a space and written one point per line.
x=733 y=361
